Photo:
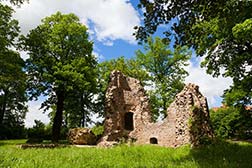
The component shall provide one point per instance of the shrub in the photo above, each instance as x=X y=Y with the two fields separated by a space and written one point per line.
x=36 y=133
x=232 y=122
x=12 y=132
x=98 y=130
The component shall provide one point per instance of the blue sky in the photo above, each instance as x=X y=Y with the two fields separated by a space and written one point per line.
x=110 y=24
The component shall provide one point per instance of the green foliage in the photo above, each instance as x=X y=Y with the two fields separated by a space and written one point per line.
x=40 y=132
x=166 y=72
x=157 y=67
x=16 y=2
x=98 y=130
x=80 y=106
x=199 y=136
x=37 y=131
x=220 y=30
x=12 y=79
x=12 y=130
x=60 y=62
x=243 y=31
x=129 y=67
x=219 y=155
x=232 y=123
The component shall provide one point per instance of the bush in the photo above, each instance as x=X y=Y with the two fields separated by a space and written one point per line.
x=12 y=132
x=232 y=122
x=98 y=130
x=43 y=132
x=36 y=133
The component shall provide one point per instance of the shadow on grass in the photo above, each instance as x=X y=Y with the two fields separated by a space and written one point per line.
x=223 y=154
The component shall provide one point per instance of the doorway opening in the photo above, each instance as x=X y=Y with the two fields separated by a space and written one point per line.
x=128 y=121
x=153 y=140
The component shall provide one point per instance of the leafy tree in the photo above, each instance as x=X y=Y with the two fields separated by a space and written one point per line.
x=232 y=122
x=158 y=66
x=221 y=30
x=60 y=62
x=166 y=72
x=80 y=106
x=12 y=77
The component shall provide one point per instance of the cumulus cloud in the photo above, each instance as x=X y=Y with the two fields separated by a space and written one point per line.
x=108 y=20
x=35 y=113
x=210 y=87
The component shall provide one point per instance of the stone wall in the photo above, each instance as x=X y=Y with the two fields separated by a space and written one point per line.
x=128 y=116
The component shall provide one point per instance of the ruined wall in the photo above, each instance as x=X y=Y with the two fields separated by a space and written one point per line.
x=128 y=116
x=187 y=121
x=125 y=99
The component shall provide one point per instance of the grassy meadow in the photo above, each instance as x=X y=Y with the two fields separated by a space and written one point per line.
x=223 y=154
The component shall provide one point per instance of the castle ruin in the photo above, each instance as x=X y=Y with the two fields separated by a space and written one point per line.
x=128 y=116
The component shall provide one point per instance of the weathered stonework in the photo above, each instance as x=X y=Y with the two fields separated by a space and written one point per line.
x=128 y=116
x=81 y=136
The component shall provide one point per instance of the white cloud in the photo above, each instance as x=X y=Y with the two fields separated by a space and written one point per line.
x=35 y=113
x=109 y=20
x=98 y=56
x=210 y=87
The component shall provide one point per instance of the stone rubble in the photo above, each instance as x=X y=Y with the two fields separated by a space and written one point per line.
x=81 y=136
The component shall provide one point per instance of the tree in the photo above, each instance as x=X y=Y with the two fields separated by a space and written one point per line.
x=80 y=106
x=129 y=67
x=166 y=71
x=60 y=62
x=16 y=2
x=220 y=30
x=232 y=122
x=12 y=77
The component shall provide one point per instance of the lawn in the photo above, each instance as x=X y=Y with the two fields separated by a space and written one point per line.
x=224 y=154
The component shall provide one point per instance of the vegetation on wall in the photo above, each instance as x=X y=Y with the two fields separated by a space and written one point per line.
x=61 y=66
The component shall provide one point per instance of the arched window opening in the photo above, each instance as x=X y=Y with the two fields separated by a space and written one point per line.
x=128 y=121
x=153 y=141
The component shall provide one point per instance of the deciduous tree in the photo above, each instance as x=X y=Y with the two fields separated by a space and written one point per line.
x=60 y=61
x=12 y=76
x=220 y=30
x=166 y=72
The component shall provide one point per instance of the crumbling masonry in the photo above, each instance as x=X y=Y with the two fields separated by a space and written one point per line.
x=128 y=116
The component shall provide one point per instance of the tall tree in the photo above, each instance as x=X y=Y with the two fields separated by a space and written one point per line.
x=80 y=106
x=166 y=71
x=60 y=62
x=221 y=30
x=12 y=77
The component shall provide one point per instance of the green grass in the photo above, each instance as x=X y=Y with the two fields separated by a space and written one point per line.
x=224 y=154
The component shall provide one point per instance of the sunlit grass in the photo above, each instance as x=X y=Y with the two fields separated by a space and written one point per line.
x=219 y=155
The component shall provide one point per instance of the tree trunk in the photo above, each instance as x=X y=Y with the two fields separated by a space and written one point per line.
x=164 y=108
x=83 y=112
x=3 y=109
x=57 y=120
